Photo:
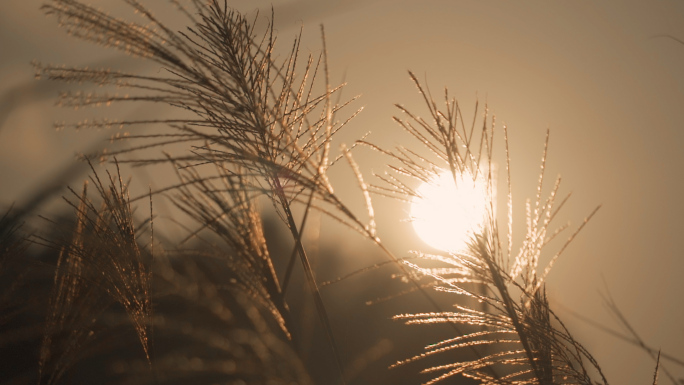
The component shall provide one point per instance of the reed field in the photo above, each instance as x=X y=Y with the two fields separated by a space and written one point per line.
x=232 y=267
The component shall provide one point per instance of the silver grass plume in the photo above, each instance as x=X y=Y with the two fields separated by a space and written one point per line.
x=265 y=124
x=102 y=264
x=520 y=339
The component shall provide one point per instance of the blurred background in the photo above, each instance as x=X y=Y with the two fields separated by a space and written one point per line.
x=605 y=77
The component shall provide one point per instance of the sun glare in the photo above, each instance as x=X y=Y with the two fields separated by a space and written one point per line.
x=448 y=212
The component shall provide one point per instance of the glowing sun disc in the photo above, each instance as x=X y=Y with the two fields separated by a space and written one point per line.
x=448 y=212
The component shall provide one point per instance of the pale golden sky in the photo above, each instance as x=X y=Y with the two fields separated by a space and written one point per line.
x=594 y=72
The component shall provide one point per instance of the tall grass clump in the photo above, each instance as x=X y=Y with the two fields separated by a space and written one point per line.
x=251 y=125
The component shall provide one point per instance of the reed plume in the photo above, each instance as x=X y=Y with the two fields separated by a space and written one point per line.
x=101 y=264
x=525 y=340
x=265 y=126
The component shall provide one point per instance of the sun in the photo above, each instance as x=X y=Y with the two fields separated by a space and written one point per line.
x=447 y=212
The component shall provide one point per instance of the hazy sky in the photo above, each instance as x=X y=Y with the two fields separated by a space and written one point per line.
x=599 y=74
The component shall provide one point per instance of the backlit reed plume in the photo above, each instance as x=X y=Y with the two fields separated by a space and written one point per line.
x=266 y=124
x=520 y=338
x=101 y=264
